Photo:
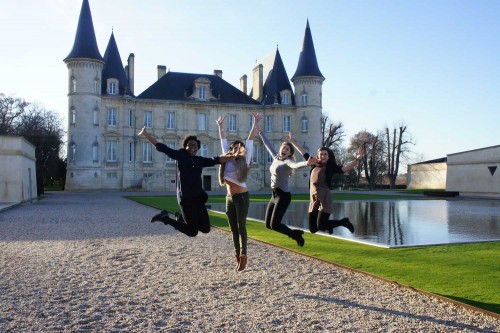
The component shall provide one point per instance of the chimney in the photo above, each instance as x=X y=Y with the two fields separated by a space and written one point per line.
x=218 y=72
x=243 y=84
x=258 y=78
x=130 y=72
x=162 y=70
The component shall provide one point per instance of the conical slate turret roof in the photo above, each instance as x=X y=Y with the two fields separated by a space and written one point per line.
x=308 y=65
x=113 y=69
x=85 y=45
x=277 y=81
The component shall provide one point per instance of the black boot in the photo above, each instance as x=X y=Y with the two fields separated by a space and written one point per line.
x=313 y=221
x=159 y=217
x=342 y=223
x=296 y=234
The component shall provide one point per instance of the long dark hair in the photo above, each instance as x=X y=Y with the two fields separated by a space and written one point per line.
x=329 y=165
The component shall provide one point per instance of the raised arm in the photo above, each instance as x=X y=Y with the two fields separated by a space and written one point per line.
x=354 y=163
x=255 y=127
x=220 y=125
x=148 y=136
x=295 y=145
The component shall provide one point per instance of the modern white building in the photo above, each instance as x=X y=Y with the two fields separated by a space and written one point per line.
x=105 y=114
x=475 y=172
x=18 y=171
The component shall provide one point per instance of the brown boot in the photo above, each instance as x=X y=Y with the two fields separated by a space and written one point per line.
x=237 y=260
x=243 y=263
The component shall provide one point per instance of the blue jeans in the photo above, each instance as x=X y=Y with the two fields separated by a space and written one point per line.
x=237 y=211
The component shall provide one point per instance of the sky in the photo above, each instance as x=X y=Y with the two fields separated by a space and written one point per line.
x=432 y=65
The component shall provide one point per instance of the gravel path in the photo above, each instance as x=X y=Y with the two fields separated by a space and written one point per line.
x=92 y=262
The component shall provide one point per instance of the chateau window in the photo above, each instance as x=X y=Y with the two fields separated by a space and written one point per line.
x=232 y=123
x=255 y=155
x=73 y=84
x=285 y=99
x=96 y=86
x=287 y=124
x=305 y=124
x=304 y=99
x=72 y=150
x=148 y=119
x=250 y=122
x=130 y=118
x=202 y=121
x=130 y=151
x=147 y=152
x=73 y=116
x=96 y=117
x=202 y=92
x=269 y=157
x=95 y=152
x=170 y=145
x=171 y=120
x=111 y=150
x=112 y=115
x=269 y=123
x=204 y=150
x=113 y=88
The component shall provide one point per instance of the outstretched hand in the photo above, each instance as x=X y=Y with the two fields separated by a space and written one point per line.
x=220 y=121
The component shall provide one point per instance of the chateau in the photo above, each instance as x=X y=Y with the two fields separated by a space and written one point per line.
x=105 y=114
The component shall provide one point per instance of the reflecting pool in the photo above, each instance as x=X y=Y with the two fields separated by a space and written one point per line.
x=402 y=223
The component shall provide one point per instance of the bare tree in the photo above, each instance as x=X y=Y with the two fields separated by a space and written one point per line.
x=10 y=110
x=332 y=133
x=397 y=147
x=41 y=127
x=373 y=163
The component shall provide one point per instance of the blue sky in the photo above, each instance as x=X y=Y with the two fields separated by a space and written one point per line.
x=433 y=65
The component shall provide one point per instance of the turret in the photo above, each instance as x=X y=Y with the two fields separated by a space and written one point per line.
x=85 y=65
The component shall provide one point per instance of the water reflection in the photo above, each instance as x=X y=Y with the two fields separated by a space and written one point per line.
x=404 y=223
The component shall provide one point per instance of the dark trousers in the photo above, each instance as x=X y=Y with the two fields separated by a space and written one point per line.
x=237 y=211
x=278 y=204
x=195 y=216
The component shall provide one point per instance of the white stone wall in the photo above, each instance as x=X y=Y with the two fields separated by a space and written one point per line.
x=469 y=173
x=427 y=176
x=18 y=170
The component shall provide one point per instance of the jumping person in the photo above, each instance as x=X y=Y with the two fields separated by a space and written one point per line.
x=282 y=168
x=320 y=206
x=233 y=174
x=190 y=194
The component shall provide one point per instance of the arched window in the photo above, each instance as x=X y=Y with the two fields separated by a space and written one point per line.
x=73 y=116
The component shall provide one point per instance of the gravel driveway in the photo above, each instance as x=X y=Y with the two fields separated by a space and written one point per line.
x=92 y=262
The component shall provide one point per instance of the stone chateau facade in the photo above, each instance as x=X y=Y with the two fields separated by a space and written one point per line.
x=105 y=114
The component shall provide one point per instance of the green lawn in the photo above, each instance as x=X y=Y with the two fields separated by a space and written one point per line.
x=468 y=273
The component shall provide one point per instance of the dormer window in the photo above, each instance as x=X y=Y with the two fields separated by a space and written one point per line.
x=201 y=89
x=285 y=97
x=202 y=93
x=112 y=87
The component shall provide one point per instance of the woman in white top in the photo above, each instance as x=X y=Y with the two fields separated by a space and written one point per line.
x=233 y=174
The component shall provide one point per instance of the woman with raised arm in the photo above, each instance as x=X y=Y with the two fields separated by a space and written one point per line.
x=321 y=206
x=282 y=168
x=233 y=175
x=190 y=194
